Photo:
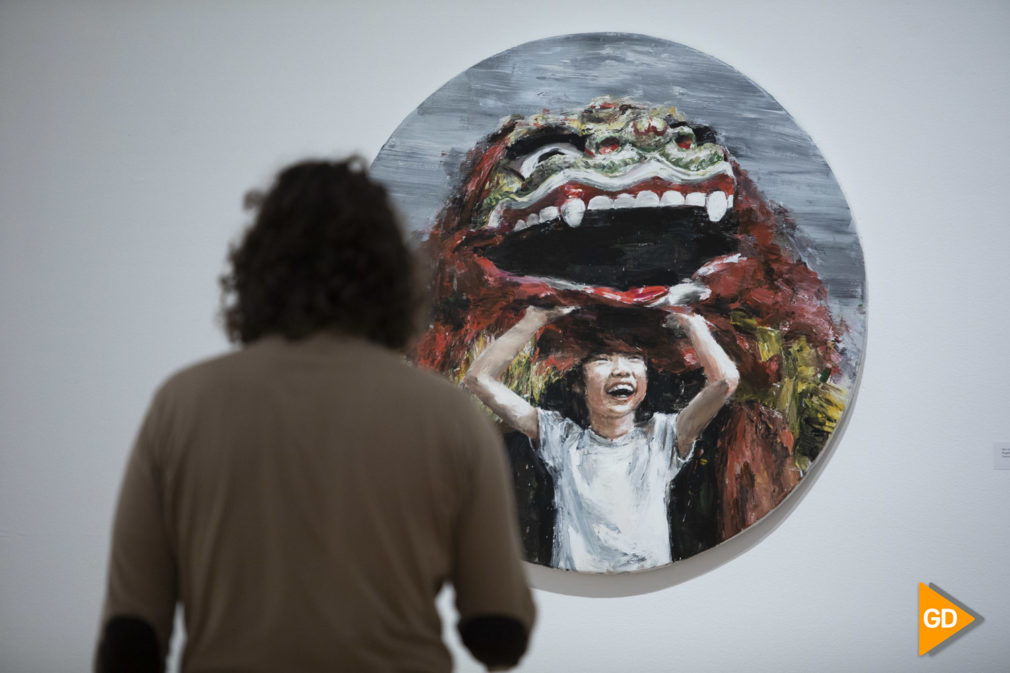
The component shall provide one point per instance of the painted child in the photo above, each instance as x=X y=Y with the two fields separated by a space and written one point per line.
x=612 y=478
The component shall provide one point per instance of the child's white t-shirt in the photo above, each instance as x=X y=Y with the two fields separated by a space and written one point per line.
x=611 y=495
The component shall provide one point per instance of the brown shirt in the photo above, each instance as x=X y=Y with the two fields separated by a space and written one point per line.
x=305 y=501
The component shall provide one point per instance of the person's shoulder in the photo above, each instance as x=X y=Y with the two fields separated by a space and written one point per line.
x=447 y=416
x=403 y=382
x=551 y=417
x=555 y=426
x=188 y=387
x=433 y=389
x=661 y=429
x=187 y=378
x=661 y=423
x=662 y=417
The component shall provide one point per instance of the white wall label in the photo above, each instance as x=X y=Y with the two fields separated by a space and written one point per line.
x=1001 y=456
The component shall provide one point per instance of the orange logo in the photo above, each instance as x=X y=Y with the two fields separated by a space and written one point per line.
x=939 y=618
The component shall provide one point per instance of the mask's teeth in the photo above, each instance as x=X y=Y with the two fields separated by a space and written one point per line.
x=716 y=205
x=624 y=201
x=671 y=198
x=572 y=212
x=494 y=219
x=549 y=213
x=695 y=199
x=647 y=199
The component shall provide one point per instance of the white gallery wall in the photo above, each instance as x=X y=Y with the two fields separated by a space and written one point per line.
x=130 y=131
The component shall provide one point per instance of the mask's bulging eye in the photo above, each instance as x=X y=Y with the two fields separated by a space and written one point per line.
x=684 y=137
x=608 y=145
x=526 y=164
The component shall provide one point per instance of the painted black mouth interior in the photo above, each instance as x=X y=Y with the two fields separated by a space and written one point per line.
x=619 y=248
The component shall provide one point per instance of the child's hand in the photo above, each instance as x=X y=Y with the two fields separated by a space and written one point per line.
x=684 y=319
x=546 y=315
x=681 y=295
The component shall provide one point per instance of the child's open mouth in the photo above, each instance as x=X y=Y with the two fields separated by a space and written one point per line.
x=621 y=390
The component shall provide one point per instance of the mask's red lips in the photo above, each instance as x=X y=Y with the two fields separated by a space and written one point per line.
x=648 y=295
x=636 y=296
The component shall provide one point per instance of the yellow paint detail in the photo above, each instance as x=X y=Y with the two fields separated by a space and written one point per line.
x=769 y=342
x=808 y=406
x=523 y=376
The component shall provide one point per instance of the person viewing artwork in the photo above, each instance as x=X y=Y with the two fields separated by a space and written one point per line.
x=612 y=476
x=305 y=497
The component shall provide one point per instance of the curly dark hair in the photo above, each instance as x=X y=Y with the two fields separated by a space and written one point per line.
x=324 y=252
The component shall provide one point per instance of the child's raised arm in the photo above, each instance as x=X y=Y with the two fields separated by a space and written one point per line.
x=482 y=379
x=721 y=379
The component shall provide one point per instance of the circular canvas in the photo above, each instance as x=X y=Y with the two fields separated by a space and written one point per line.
x=648 y=274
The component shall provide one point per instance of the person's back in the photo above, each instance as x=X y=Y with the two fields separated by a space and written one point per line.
x=305 y=499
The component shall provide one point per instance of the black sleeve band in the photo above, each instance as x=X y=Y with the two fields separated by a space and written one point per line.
x=128 y=645
x=494 y=641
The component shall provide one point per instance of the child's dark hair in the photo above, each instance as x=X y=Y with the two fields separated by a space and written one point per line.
x=604 y=330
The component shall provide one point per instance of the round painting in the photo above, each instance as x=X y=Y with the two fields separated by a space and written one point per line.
x=647 y=273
